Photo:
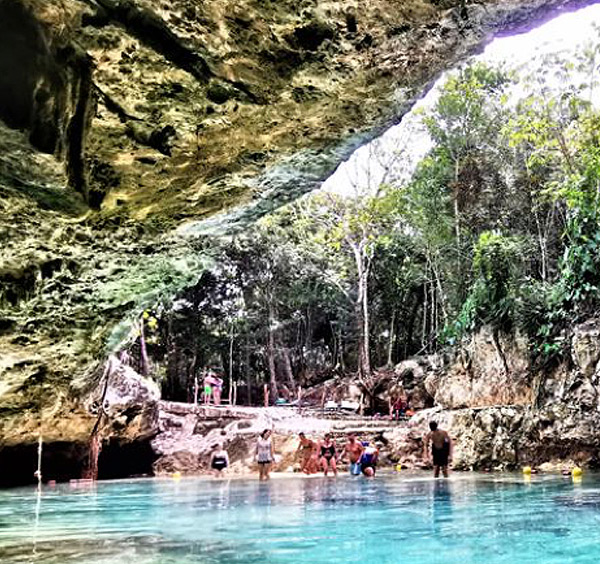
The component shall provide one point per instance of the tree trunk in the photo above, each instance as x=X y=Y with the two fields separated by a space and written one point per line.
x=408 y=336
x=362 y=313
x=247 y=378
x=231 y=340
x=287 y=368
x=390 y=360
x=271 y=356
x=143 y=351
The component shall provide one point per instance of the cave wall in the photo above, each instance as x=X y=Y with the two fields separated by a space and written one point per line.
x=506 y=413
x=45 y=88
x=231 y=102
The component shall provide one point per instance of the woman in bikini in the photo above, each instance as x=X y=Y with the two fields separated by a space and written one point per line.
x=328 y=455
x=308 y=450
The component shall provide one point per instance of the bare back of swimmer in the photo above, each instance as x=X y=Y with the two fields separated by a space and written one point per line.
x=441 y=449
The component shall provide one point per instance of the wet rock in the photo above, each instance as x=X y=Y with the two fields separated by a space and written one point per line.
x=44 y=87
x=491 y=370
x=351 y=21
x=365 y=42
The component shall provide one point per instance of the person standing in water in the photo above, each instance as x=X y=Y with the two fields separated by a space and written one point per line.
x=219 y=460
x=328 y=455
x=264 y=454
x=354 y=450
x=441 y=449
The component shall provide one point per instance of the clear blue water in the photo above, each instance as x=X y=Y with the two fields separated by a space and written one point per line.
x=391 y=519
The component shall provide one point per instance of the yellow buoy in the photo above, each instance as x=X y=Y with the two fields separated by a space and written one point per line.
x=176 y=475
x=576 y=472
x=398 y=467
x=527 y=470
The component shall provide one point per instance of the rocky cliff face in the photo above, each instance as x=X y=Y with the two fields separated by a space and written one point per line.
x=524 y=415
x=124 y=121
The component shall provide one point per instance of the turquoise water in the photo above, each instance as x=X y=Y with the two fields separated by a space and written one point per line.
x=391 y=519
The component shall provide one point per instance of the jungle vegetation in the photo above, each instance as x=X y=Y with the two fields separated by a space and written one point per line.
x=498 y=226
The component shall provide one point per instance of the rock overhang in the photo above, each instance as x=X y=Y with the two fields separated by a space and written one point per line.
x=243 y=154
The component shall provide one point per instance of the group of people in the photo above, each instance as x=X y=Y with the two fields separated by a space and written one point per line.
x=316 y=456
x=212 y=388
x=360 y=456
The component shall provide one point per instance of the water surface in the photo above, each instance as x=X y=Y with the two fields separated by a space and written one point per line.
x=468 y=519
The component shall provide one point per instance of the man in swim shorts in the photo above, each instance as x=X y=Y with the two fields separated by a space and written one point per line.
x=441 y=449
x=354 y=450
x=207 y=384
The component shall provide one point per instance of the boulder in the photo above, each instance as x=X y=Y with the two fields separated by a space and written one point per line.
x=585 y=347
x=128 y=399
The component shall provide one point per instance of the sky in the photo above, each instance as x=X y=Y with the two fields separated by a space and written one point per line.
x=394 y=155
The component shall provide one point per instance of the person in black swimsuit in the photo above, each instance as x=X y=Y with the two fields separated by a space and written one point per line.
x=328 y=455
x=219 y=460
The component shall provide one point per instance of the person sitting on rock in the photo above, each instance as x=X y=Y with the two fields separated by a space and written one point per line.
x=328 y=455
x=308 y=450
x=219 y=460
x=441 y=449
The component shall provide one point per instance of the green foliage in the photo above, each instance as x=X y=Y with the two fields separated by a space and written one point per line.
x=146 y=284
x=499 y=226
x=493 y=299
x=465 y=118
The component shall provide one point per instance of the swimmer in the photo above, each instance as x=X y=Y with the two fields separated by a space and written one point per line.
x=441 y=449
x=308 y=449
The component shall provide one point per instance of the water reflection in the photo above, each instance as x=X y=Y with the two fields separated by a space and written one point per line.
x=441 y=507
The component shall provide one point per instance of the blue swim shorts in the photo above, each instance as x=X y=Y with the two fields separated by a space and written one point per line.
x=355 y=468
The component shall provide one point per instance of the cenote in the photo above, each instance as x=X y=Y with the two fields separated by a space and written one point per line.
x=181 y=269
x=392 y=519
